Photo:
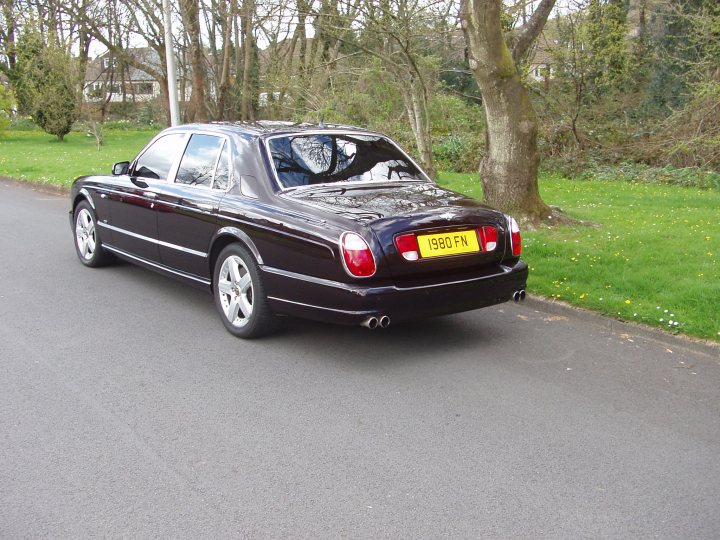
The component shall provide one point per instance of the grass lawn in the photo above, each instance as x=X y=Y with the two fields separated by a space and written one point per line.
x=652 y=256
x=35 y=155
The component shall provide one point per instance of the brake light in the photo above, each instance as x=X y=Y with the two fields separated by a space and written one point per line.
x=358 y=258
x=488 y=238
x=515 y=240
x=407 y=245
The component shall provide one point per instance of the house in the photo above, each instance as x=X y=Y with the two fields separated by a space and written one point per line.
x=108 y=79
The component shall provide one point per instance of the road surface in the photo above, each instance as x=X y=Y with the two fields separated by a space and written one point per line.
x=126 y=410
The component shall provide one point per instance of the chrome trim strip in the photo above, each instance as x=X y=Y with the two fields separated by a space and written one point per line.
x=310 y=279
x=346 y=312
x=362 y=290
x=154 y=241
x=156 y=265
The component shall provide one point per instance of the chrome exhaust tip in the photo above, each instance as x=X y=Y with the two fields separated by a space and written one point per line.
x=370 y=322
x=384 y=321
x=516 y=296
x=522 y=295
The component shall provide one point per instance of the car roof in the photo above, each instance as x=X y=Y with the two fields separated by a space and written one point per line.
x=263 y=128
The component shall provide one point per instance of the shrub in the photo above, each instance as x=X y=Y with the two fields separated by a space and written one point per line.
x=7 y=103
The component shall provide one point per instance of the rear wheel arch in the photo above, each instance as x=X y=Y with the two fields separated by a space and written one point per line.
x=227 y=236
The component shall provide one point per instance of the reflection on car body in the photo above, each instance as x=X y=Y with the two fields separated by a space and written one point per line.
x=335 y=224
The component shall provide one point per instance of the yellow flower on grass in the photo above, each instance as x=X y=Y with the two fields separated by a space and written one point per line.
x=628 y=302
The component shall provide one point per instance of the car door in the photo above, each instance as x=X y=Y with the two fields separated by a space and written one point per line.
x=187 y=207
x=133 y=203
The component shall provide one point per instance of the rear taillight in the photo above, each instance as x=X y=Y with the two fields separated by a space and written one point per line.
x=359 y=260
x=515 y=240
x=407 y=245
x=488 y=238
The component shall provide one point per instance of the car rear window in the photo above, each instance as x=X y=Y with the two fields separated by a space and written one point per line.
x=307 y=159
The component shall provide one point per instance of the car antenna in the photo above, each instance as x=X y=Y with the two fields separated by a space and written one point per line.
x=321 y=125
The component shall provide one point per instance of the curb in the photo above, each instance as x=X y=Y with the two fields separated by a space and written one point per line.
x=37 y=185
x=616 y=326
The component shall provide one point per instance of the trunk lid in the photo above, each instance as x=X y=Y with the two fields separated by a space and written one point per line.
x=419 y=208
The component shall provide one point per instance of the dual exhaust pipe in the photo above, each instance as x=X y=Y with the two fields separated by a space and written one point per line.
x=383 y=321
x=374 y=322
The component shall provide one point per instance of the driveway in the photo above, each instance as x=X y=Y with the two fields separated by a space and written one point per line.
x=127 y=410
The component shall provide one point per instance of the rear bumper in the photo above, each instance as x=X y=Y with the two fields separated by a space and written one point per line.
x=341 y=303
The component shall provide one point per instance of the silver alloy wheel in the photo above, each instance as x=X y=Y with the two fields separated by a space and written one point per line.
x=235 y=290
x=85 y=234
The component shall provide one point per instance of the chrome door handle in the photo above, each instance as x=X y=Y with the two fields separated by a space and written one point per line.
x=203 y=206
x=149 y=195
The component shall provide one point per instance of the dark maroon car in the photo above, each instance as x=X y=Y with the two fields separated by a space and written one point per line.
x=335 y=224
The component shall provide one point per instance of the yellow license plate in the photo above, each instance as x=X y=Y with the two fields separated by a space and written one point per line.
x=448 y=243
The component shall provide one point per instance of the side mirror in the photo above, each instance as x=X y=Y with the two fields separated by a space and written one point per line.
x=121 y=168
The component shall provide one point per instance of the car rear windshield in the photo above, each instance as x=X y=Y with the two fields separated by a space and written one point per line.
x=302 y=160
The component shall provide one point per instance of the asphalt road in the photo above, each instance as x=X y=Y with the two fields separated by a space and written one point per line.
x=127 y=410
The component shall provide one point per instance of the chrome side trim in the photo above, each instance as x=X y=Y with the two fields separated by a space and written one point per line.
x=362 y=290
x=346 y=312
x=154 y=241
x=311 y=279
x=156 y=265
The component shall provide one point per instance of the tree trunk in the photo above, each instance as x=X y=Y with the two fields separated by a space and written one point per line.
x=246 y=110
x=225 y=82
x=190 y=10
x=509 y=168
x=415 y=100
x=508 y=171
x=9 y=34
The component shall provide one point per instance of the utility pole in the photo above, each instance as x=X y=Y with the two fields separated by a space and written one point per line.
x=171 y=72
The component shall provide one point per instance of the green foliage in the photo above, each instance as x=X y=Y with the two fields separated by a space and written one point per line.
x=32 y=155
x=636 y=173
x=7 y=102
x=604 y=36
x=45 y=84
x=586 y=101
x=691 y=134
x=652 y=256
x=23 y=123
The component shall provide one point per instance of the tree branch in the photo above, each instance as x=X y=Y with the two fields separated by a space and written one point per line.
x=520 y=44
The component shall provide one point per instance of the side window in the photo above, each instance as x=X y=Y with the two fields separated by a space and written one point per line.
x=157 y=160
x=198 y=163
x=222 y=173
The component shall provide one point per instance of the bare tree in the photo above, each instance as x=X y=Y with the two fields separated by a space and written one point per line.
x=402 y=31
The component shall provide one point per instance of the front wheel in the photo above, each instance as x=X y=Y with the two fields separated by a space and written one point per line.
x=88 y=245
x=240 y=295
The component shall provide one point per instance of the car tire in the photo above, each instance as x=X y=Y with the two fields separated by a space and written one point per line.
x=88 y=244
x=240 y=294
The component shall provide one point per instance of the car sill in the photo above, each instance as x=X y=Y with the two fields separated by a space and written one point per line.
x=156 y=265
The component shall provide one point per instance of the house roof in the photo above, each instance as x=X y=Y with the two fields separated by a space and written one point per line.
x=95 y=71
